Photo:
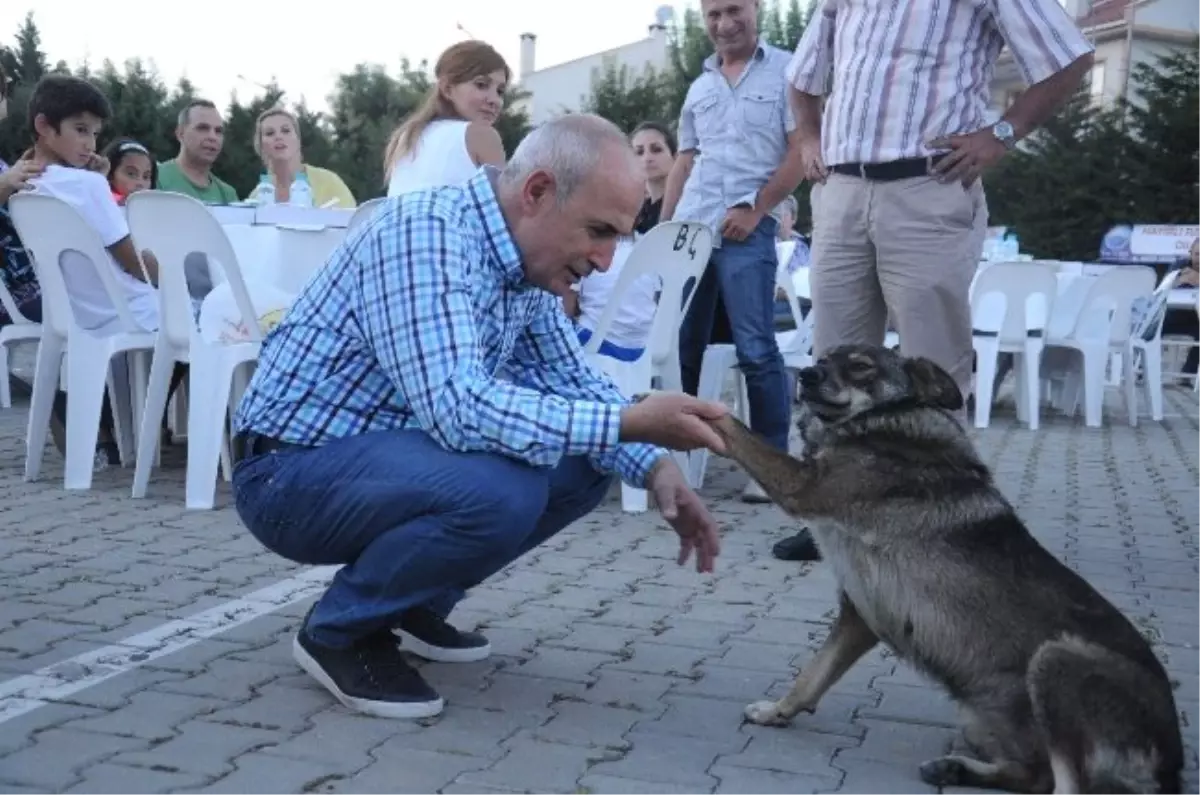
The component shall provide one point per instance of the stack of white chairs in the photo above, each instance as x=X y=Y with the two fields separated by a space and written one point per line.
x=1011 y=305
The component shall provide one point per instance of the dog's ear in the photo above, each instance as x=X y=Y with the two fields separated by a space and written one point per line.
x=932 y=385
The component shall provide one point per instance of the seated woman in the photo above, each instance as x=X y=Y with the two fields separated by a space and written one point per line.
x=801 y=255
x=277 y=142
x=453 y=133
x=1185 y=322
x=626 y=338
x=130 y=168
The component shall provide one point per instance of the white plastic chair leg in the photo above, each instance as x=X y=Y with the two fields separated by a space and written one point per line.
x=156 y=402
x=85 y=402
x=717 y=361
x=1153 y=369
x=46 y=376
x=5 y=388
x=1129 y=369
x=987 y=352
x=1028 y=387
x=1094 y=364
x=207 y=408
x=632 y=500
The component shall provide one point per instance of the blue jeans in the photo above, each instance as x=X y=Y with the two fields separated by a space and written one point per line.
x=744 y=275
x=414 y=524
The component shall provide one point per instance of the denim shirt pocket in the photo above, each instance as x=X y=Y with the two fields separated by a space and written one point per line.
x=706 y=112
x=760 y=110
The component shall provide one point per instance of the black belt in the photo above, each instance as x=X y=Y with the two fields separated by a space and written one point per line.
x=249 y=444
x=890 y=171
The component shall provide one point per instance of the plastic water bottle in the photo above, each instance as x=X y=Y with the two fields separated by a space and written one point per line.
x=265 y=192
x=300 y=194
x=1012 y=247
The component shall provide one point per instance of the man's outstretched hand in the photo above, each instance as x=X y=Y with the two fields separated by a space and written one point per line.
x=673 y=420
x=685 y=512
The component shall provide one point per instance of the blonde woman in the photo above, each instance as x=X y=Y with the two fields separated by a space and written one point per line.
x=451 y=135
x=277 y=142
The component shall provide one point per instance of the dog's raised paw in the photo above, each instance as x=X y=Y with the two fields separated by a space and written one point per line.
x=946 y=771
x=765 y=713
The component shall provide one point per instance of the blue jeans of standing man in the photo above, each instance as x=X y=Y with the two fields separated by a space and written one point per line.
x=744 y=273
x=414 y=524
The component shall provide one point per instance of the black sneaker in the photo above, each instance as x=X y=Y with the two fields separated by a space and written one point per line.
x=798 y=547
x=426 y=634
x=371 y=676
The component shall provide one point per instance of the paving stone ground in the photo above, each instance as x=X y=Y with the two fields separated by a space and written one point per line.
x=614 y=670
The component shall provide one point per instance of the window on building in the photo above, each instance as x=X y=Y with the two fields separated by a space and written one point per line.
x=1096 y=82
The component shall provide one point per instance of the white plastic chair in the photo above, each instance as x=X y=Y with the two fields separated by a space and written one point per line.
x=49 y=228
x=174 y=226
x=1101 y=327
x=1146 y=352
x=364 y=212
x=20 y=330
x=721 y=358
x=1011 y=304
x=677 y=252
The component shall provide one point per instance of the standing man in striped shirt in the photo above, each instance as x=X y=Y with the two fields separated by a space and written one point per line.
x=424 y=414
x=899 y=213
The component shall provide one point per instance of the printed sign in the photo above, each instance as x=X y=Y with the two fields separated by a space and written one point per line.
x=1148 y=242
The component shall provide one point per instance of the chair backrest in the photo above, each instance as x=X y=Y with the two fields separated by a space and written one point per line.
x=1149 y=316
x=364 y=212
x=175 y=228
x=677 y=251
x=1013 y=300
x=1108 y=307
x=50 y=228
x=784 y=249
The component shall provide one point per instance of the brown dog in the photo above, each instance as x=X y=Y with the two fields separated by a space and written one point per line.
x=1058 y=687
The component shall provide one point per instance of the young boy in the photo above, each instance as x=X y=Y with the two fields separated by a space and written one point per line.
x=66 y=115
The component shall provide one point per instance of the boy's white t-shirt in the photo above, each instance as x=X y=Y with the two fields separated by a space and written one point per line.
x=631 y=325
x=89 y=194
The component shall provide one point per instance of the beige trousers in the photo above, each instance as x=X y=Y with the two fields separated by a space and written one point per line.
x=906 y=249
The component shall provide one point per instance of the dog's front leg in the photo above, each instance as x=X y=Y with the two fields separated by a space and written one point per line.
x=787 y=481
x=848 y=641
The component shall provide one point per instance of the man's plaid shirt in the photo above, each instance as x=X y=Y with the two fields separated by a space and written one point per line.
x=422 y=318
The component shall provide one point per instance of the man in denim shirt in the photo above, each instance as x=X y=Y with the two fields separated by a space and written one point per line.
x=737 y=161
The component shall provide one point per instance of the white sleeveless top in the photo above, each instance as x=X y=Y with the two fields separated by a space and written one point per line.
x=441 y=159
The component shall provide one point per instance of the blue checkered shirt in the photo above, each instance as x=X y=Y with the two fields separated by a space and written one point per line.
x=422 y=318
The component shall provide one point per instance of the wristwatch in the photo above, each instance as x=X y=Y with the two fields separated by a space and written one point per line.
x=1005 y=134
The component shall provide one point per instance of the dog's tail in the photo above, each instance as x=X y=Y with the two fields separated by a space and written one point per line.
x=1110 y=723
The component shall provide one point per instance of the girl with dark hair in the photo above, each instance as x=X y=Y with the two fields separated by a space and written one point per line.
x=131 y=168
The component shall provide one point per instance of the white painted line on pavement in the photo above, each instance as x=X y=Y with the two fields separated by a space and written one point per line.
x=25 y=693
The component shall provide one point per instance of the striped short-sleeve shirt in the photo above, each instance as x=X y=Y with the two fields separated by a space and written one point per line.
x=897 y=74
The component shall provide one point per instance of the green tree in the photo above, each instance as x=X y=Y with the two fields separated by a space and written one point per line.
x=628 y=99
x=30 y=63
x=1062 y=189
x=1164 y=125
x=1089 y=168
